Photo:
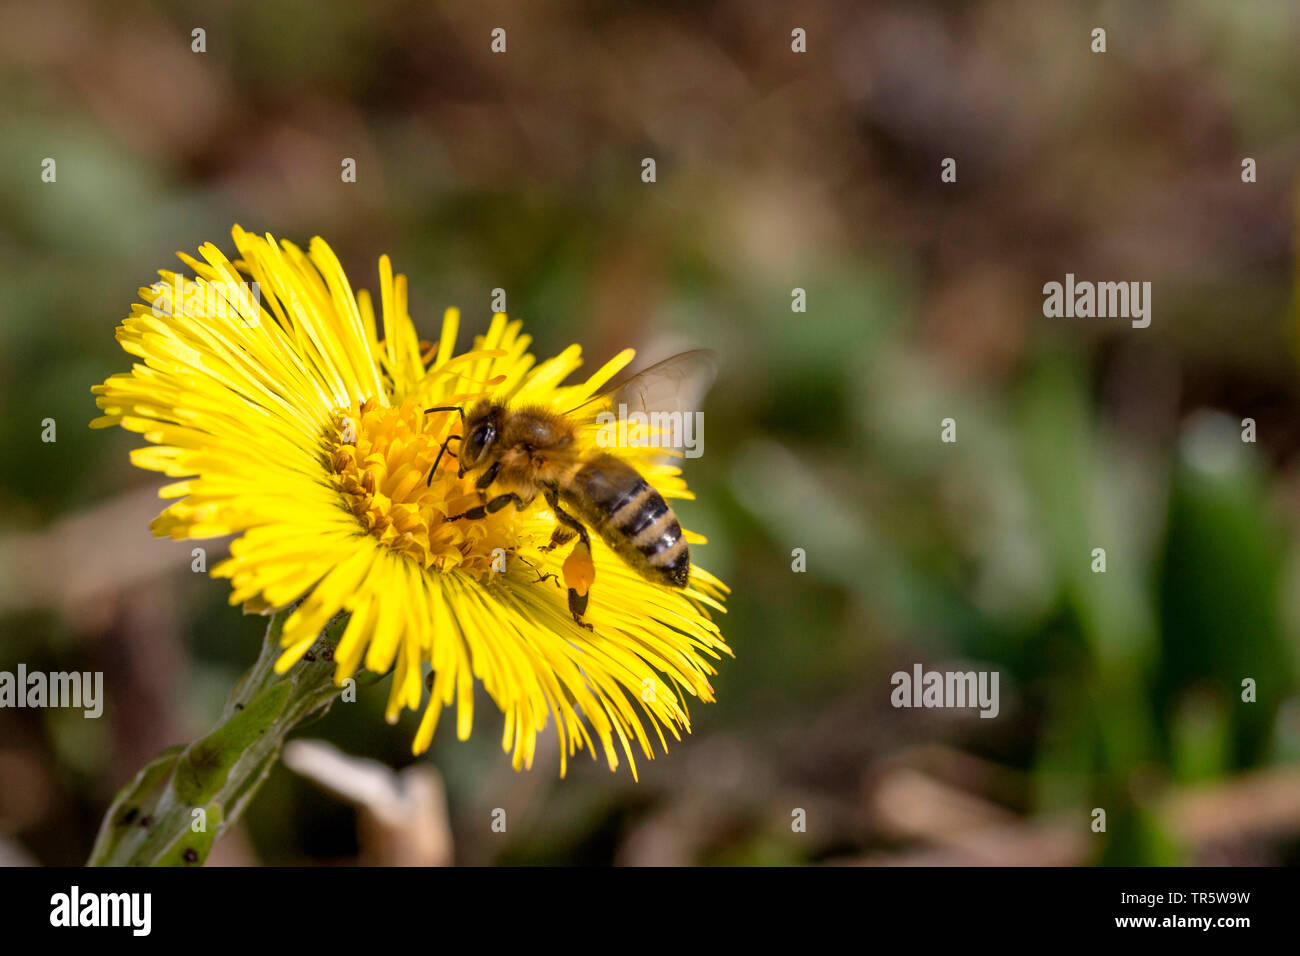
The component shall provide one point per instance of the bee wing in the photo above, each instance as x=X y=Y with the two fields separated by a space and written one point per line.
x=676 y=385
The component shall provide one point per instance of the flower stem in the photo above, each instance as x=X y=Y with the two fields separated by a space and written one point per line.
x=187 y=796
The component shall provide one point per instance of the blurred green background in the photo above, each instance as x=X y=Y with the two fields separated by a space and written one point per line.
x=775 y=171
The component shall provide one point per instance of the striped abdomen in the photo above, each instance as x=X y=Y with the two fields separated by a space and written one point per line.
x=613 y=500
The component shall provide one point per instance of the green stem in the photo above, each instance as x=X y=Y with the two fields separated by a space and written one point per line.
x=187 y=796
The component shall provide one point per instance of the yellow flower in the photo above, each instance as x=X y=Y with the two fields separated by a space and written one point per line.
x=293 y=423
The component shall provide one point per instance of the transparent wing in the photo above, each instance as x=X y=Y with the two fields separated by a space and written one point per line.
x=676 y=384
x=663 y=394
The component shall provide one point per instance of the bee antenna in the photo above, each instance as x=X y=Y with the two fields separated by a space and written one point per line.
x=437 y=461
x=448 y=408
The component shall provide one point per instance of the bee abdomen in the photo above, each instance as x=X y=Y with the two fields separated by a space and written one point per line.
x=633 y=519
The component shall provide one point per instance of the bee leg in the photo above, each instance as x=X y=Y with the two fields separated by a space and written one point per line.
x=561 y=535
x=540 y=576
x=488 y=476
x=579 y=571
x=493 y=506
x=578 y=607
x=565 y=524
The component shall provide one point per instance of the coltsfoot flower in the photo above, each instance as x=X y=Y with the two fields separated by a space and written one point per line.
x=291 y=421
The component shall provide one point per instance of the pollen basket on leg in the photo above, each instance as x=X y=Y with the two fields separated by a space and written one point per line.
x=379 y=459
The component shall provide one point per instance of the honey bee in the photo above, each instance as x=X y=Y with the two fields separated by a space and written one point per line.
x=522 y=452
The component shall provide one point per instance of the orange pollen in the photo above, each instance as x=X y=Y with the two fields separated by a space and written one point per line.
x=379 y=458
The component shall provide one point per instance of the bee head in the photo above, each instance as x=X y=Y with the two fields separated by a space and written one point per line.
x=482 y=426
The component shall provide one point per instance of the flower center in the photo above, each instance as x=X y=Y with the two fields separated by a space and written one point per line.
x=380 y=457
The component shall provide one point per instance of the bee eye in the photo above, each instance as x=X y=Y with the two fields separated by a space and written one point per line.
x=483 y=434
